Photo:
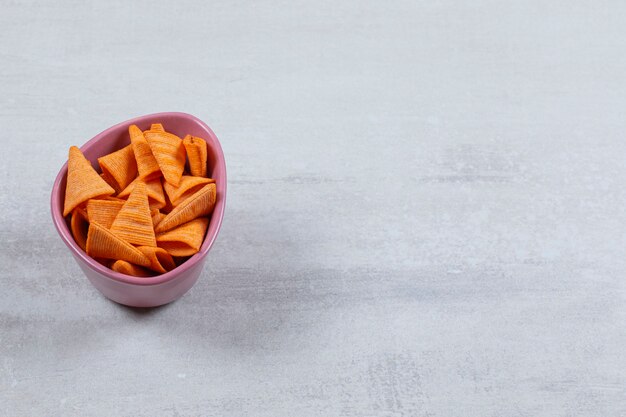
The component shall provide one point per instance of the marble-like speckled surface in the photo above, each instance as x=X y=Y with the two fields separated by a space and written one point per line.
x=426 y=213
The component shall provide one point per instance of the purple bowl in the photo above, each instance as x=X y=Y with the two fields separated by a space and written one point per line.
x=161 y=289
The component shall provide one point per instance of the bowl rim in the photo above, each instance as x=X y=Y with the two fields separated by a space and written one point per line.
x=209 y=240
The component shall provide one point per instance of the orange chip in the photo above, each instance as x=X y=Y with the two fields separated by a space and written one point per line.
x=101 y=243
x=156 y=127
x=160 y=260
x=109 y=180
x=147 y=165
x=154 y=189
x=111 y=198
x=157 y=217
x=197 y=155
x=168 y=204
x=127 y=268
x=185 y=240
x=169 y=152
x=103 y=212
x=119 y=167
x=199 y=204
x=79 y=225
x=133 y=223
x=188 y=186
x=83 y=182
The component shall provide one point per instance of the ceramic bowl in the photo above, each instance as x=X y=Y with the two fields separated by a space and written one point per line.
x=161 y=289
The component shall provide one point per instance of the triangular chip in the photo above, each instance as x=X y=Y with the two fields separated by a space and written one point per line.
x=101 y=243
x=157 y=217
x=188 y=186
x=83 y=182
x=120 y=166
x=103 y=212
x=155 y=127
x=160 y=260
x=154 y=189
x=199 y=204
x=147 y=165
x=133 y=223
x=168 y=207
x=169 y=152
x=79 y=225
x=197 y=155
x=127 y=268
x=109 y=180
x=111 y=198
x=184 y=240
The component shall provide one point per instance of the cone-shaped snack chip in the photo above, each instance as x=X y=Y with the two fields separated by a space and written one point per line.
x=103 y=212
x=102 y=243
x=154 y=189
x=156 y=127
x=169 y=152
x=124 y=267
x=133 y=223
x=160 y=260
x=147 y=165
x=157 y=217
x=188 y=186
x=199 y=204
x=83 y=182
x=197 y=155
x=120 y=167
x=184 y=240
x=79 y=225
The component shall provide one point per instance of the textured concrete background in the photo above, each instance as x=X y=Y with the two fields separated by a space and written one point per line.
x=425 y=214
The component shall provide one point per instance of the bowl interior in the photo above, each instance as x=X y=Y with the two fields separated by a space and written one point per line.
x=116 y=138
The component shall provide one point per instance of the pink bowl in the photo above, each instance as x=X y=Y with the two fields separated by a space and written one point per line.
x=161 y=289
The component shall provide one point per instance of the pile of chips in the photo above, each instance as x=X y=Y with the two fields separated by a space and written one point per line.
x=147 y=212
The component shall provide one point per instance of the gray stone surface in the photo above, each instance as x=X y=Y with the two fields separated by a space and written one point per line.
x=426 y=210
